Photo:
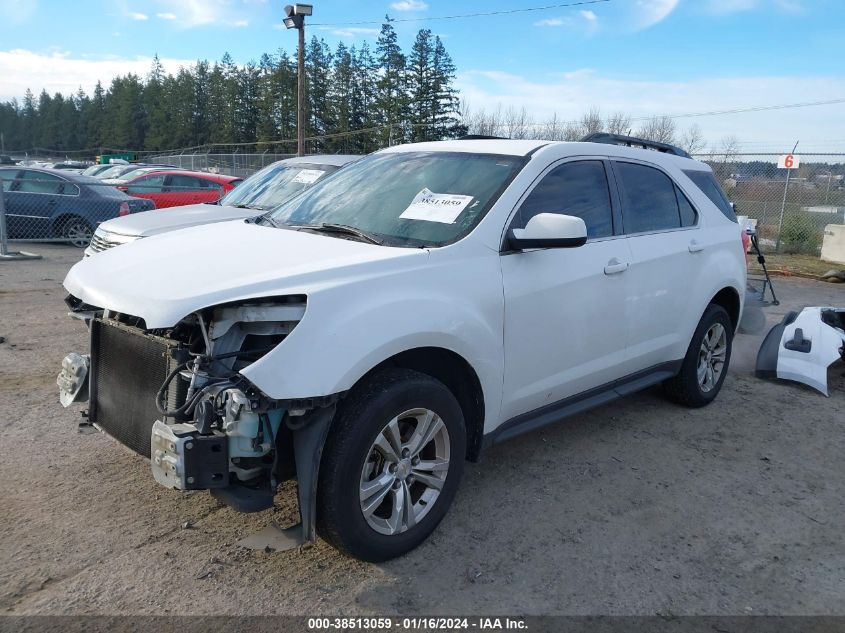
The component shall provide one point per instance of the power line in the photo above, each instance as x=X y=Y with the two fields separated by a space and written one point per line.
x=688 y=115
x=752 y=109
x=464 y=15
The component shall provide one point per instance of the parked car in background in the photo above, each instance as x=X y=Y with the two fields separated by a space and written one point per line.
x=130 y=174
x=173 y=188
x=259 y=193
x=71 y=165
x=6 y=160
x=94 y=170
x=123 y=171
x=45 y=203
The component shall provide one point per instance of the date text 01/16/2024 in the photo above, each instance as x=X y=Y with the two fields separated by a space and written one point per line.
x=417 y=623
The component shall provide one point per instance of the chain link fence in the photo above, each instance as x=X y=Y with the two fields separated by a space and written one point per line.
x=790 y=217
x=235 y=164
x=38 y=206
x=52 y=205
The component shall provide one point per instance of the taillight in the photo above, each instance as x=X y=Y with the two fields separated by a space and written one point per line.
x=124 y=209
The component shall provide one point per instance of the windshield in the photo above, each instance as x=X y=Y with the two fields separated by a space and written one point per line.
x=93 y=169
x=115 y=171
x=406 y=198
x=271 y=186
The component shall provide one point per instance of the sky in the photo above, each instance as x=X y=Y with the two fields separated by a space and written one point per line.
x=641 y=57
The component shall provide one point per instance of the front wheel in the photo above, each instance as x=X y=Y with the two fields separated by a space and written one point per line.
x=706 y=364
x=391 y=465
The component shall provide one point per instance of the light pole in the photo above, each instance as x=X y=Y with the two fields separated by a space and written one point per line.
x=296 y=20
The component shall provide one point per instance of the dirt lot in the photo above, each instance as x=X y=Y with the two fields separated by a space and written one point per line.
x=639 y=507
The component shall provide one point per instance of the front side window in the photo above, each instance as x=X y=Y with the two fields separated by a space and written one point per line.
x=406 y=198
x=7 y=177
x=578 y=189
x=649 y=202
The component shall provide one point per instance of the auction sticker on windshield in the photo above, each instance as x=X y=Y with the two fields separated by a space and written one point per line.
x=436 y=207
x=307 y=176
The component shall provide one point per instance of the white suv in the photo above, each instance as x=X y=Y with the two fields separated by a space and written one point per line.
x=403 y=314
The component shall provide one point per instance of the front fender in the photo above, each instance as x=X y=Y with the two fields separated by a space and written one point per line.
x=348 y=330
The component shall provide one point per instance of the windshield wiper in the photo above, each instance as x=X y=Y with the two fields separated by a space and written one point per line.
x=328 y=227
x=254 y=207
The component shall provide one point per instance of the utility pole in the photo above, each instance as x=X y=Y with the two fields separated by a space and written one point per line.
x=296 y=20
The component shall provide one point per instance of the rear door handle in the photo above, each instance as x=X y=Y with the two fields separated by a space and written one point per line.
x=614 y=266
x=695 y=247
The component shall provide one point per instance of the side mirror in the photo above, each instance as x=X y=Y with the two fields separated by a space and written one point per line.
x=549 y=230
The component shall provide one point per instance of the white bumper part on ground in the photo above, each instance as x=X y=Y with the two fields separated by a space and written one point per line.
x=807 y=344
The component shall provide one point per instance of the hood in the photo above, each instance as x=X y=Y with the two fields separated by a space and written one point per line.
x=166 y=278
x=154 y=222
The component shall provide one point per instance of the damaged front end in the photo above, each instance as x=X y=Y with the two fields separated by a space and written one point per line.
x=803 y=346
x=176 y=396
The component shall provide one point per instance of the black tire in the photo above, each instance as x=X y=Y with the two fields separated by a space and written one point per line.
x=360 y=419
x=685 y=388
x=77 y=231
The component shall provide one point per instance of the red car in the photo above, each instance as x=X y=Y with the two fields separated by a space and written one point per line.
x=176 y=187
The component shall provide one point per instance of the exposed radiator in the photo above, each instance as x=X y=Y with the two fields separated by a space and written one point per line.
x=128 y=368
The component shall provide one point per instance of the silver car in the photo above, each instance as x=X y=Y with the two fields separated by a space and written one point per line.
x=260 y=192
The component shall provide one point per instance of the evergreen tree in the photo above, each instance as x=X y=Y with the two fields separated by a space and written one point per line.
x=391 y=98
x=318 y=71
x=422 y=107
x=446 y=99
x=362 y=101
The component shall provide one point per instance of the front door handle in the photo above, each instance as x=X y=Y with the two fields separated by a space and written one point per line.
x=614 y=266
x=695 y=247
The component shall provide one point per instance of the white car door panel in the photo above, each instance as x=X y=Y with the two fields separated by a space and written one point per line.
x=565 y=328
x=666 y=249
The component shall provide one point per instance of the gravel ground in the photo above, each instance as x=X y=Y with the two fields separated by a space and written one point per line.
x=639 y=507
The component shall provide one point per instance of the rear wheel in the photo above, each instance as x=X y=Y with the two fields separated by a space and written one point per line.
x=706 y=363
x=391 y=465
x=77 y=231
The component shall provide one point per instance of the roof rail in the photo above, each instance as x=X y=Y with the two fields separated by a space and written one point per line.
x=481 y=137
x=631 y=141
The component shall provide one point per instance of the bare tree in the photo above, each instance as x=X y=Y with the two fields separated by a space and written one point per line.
x=572 y=132
x=484 y=123
x=618 y=123
x=660 y=129
x=591 y=122
x=692 y=140
x=518 y=124
x=551 y=129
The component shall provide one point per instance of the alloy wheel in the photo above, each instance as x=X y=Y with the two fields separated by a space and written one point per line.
x=404 y=472
x=711 y=357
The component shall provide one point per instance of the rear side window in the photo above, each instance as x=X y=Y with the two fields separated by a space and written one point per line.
x=578 y=189
x=688 y=214
x=705 y=181
x=38 y=182
x=150 y=184
x=649 y=202
x=186 y=182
